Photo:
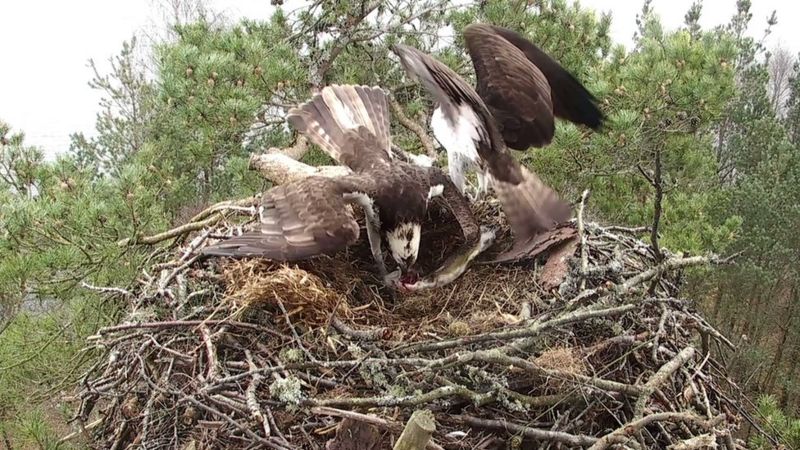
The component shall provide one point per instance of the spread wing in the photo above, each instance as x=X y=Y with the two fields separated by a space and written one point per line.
x=299 y=220
x=524 y=87
x=531 y=206
x=514 y=89
x=462 y=106
x=338 y=113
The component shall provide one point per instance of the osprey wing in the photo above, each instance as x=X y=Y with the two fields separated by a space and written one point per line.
x=300 y=220
x=350 y=123
x=570 y=99
x=530 y=205
x=514 y=89
x=463 y=109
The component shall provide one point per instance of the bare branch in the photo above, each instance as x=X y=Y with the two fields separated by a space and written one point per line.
x=414 y=127
x=624 y=433
x=577 y=440
x=281 y=168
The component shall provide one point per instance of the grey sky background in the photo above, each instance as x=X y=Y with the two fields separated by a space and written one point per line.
x=46 y=45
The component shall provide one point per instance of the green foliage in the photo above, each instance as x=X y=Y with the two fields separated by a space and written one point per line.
x=124 y=120
x=20 y=165
x=55 y=237
x=687 y=109
x=214 y=83
x=788 y=428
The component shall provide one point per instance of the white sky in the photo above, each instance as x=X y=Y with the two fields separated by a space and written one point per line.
x=45 y=46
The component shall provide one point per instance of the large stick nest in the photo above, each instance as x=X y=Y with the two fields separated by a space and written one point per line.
x=564 y=351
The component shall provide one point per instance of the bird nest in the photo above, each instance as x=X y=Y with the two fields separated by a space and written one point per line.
x=586 y=346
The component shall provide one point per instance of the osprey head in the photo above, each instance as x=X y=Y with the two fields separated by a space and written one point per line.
x=404 y=244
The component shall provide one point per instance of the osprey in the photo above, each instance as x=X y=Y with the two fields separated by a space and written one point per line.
x=519 y=91
x=309 y=217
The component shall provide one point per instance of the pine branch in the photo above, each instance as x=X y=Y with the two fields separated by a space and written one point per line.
x=414 y=127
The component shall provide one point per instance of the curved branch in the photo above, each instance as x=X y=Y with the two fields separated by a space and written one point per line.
x=414 y=127
x=624 y=432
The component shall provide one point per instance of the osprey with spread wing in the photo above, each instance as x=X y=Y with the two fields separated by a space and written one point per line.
x=520 y=90
x=310 y=217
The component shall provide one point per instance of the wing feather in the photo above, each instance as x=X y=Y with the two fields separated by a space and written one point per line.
x=514 y=89
x=300 y=220
x=334 y=116
x=455 y=97
x=570 y=99
x=531 y=206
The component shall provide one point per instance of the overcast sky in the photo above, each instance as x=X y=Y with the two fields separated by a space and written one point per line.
x=46 y=44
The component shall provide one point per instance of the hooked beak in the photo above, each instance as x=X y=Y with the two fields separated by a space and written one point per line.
x=408 y=274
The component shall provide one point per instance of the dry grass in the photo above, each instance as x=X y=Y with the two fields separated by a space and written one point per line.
x=565 y=359
x=253 y=285
x=484 y=298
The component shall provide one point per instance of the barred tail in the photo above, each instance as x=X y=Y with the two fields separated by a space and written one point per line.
x=337 y=109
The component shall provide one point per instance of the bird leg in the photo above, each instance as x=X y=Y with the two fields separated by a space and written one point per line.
x=373 y=232
x=456 y=167
x=374 y=236
x=458 y=175
x=483 y=184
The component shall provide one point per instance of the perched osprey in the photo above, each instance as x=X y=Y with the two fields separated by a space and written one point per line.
x=309 y=217
x=519 y=91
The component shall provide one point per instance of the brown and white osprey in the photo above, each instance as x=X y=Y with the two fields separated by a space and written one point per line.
x=520 y=90
x=309 y=217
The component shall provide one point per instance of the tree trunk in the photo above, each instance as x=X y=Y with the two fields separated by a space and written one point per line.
x=786 y=397
x=715 y=308
x=777 y=359
x=760 y=310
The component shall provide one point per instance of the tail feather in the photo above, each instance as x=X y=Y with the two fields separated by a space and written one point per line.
x=331 y=116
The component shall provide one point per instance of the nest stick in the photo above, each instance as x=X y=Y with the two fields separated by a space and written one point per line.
x=528 y=331
x=366 y=418
x=107 y=290
x=496 y=357
x=175 y=232
x=661 y=377
x=659 y=332
x=577 y=440
x=623 y=433
x=670 y=264
x=408 y=400
x=180 y=323
x=250 y=394
x=582 y=234
x=365 y=335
